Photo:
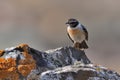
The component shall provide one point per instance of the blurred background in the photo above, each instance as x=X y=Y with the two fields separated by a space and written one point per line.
x=41 y=24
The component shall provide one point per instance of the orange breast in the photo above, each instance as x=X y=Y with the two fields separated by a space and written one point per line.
x=73 y=32
x=76 y=34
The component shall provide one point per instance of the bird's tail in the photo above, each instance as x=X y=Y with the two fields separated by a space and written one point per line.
x=83 y=45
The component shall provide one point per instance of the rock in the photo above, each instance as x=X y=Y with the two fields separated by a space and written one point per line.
x=66 y=63
x=80 y=72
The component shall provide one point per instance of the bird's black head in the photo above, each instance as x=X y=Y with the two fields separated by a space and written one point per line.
x=72 y=22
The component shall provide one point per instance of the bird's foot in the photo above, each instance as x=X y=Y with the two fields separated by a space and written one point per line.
x=77 y=46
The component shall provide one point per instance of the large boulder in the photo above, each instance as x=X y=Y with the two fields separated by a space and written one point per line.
x=66 y=63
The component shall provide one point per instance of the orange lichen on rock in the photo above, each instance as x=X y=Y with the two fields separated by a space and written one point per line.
x=27 y=64
x=25 y=69
x=24 y=47
x=1 y=52
x=10 y=68
x=7 y=63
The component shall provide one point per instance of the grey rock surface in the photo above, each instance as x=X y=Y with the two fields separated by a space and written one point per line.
x=65 y=63
x=80 y=72
x=52 y=59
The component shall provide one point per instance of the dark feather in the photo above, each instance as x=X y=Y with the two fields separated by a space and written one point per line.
x=83 y=45
x=70 y=37
x=86 y=32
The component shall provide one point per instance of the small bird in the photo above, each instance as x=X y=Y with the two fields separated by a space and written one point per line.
x=77 y=33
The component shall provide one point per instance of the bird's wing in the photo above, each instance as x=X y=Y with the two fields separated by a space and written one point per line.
x=70 y=37
x=86 y=32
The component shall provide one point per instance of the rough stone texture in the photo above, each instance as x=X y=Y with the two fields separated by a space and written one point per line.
x=65 y=63
x=16 y=63
x=80 y=72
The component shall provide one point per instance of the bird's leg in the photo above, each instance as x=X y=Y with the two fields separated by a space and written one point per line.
x=76 y=45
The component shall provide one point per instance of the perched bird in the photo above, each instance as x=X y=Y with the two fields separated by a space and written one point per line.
x=77 y=33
